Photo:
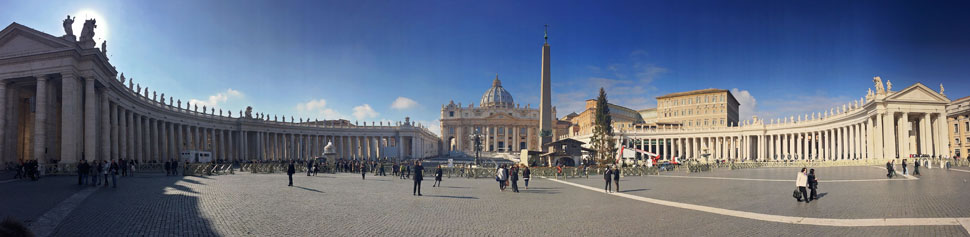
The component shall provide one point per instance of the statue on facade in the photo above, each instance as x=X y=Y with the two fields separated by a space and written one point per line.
x=69 y=25
x=230 y=113
x=249 y=112
x=104 y=48
x=87 y=33
x=154 y=95
x=889 y=86
x=879 y=89
x=122 y=78
x=170 y=101
x=179 y=103
x=214 y=111
x=162 y=98
x=196 y=108
x=291 y=119
x=275 y=118
x=941 y=89
x=204 y=109
x=139 y=88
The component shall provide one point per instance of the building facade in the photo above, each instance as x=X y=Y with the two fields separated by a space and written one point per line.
x=958 y=122
x=504 y=126
x=885 y=124
x=61 y=101
x=707 y=108
x=584 y=122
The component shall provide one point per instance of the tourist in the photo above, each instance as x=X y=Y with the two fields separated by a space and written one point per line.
x=500 y=177
x=916 y=168
x=363 y=170
x=801 y=181
x=114 y=173
x=418 y=176
x=132 y=167
x=124 y=167
x=82 y=172
x=408 y=174
x=401 y=170
x=394 y=168
x=608 y=176
x=559 y=172
x=812 y=185
x=168 y=168
x=525 y=176
x=290 y=171
x=175 y=167
x=380 y=169
x=96 y=173
x=616 y=177
x=309 y=168
x=889 y=169
x=514 y=177
x=105 y=170
x=585 y=172
x=316 y=168
x=437 y=177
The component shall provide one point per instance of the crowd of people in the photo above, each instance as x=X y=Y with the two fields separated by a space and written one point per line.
x=103 y=172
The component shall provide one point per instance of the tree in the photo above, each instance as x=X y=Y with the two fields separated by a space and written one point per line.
x=602 y=139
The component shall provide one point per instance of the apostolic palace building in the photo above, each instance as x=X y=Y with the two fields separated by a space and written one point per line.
x=61 y=101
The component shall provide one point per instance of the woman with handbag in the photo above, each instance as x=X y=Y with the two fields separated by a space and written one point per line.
x=801 y=181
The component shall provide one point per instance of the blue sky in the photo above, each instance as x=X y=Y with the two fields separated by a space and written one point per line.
x=384 y=60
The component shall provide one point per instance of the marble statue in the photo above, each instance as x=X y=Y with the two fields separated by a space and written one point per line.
x=275 y=118
x=130 y=84
x=249 y=111
x=122 y=78
x=162 y=97
x=69 y=25
x=941 y=88
x=291 y=119
x=889 y=86
x=104 y=48
x=301 y=120
x=196 y=108
x=204 y=109
x=139 y=87
x=180 y=103
x=170 y=102
x=154 y=94
x=87 y=33
x=214 y=111
x=879 y=89
x=230 y=113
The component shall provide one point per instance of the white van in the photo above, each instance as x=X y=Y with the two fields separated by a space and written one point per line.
x=196 y=156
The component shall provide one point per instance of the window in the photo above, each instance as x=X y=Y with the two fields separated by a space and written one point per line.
x=451 y=129
x=451 y=113
x=967 y=125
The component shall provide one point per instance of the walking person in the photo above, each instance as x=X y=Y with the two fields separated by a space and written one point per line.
x=290 y=171
x=363 y=171
x=525 y=176
x=608 y=176
x=437 y=177
x=309 y=168
x=105 y=171
x=514 y=177
x=500 y=177
x=418 y=176
x=168 y=168
x=131 y=165
x=401 y=171
x=616 y=177
x=889 y=169
x=175 y=167
x=559 y=172
x=801 y=181
x=114 y=173
x=916 y=168
x=82 y=172
x=96 y=173
x=812 y=185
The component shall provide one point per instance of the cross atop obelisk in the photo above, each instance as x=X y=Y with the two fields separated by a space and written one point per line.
x=546 y=33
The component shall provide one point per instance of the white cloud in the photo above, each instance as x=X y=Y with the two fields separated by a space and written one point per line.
x=434 y=126
x=402 y=103
x=219 y=98
x=749 y=104
x=364 y=112
x=317 y=109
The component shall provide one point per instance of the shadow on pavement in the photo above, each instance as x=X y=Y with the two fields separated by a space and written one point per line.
x=309 y=189
x=446 y=196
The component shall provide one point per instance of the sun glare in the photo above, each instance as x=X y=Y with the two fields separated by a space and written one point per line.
x=101 y=33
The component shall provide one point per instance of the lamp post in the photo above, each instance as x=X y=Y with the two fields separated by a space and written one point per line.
x=476 y=138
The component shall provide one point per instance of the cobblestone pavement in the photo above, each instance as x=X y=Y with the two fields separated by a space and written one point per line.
x=345 y=205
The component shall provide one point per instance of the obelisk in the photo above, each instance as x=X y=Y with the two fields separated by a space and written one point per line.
x=545 y=106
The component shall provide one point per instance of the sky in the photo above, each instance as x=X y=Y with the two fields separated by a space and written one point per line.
x=387 y=60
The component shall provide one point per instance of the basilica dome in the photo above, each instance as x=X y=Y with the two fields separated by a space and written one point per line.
x=497 y=96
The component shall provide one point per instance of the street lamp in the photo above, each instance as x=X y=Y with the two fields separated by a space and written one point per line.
x=476 y=138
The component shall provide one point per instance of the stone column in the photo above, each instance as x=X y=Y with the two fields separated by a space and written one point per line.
x=109 y=128
x=3 y=120
x=888 y=138
x=125 y=134
x=940 y=137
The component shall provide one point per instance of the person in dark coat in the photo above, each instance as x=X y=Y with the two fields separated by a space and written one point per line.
x=175 y=167
x=363 y=171
x=916 y=168
x=889 y=169
x=418 y=176
x=82 y=170
x=812 y=185
x=905 y=171
x=309 y=168
x=526 y=174
x=437 y=177
x=168 y=168
x=514 y=178
x=290 y=171
x=113 y=170
x=616 y=178
x=608 y=176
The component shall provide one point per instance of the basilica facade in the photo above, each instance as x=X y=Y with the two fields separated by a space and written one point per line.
x=500 y=123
